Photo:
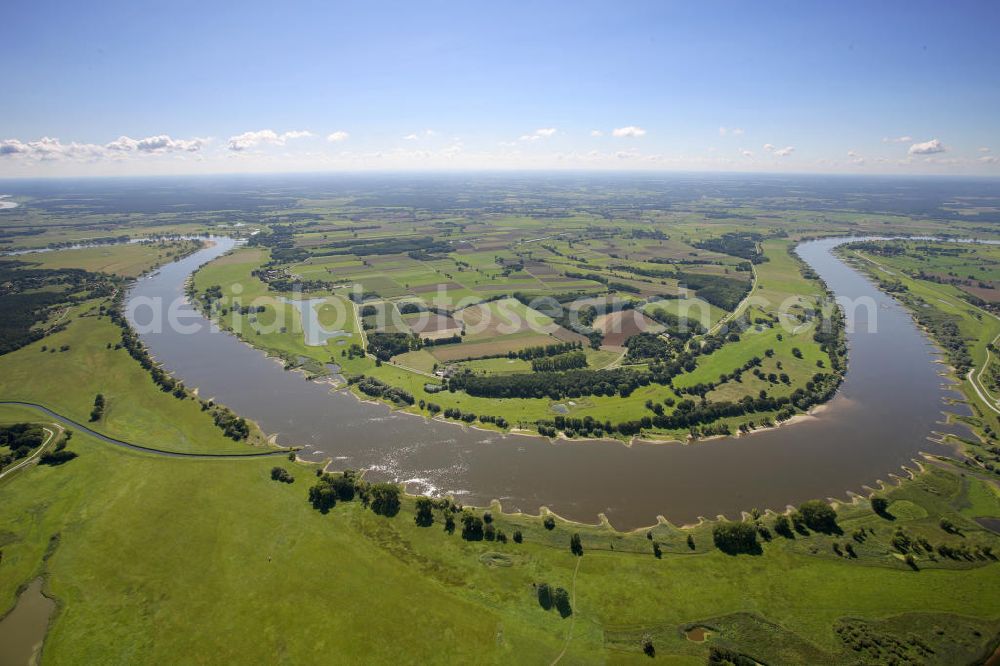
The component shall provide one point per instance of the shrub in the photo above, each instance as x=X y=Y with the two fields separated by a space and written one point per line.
x=56 y=457
x=783 y=526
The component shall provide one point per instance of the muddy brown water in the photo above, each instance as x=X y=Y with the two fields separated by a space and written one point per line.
x=890 y=403
x=22 y=631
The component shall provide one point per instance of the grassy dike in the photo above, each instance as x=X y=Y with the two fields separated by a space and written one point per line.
x=154 y=560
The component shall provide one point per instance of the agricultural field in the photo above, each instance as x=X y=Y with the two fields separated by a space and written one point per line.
x=130 y=260
x=435 y=303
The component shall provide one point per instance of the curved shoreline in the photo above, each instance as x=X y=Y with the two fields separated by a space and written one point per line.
x=475 y=463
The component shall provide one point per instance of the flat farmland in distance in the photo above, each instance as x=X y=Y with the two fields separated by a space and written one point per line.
x=503 y=317
x=620 y=326
x=497 y=345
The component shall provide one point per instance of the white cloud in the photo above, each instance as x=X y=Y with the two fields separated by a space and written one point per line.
x=730 y=131
x=779 y=152
x=12 y=147
x=856 y=158
x=48 y=148
x=630 y=131
x=897 y=139
x=540 y=133
x=927 y=148
x=160 y=143
x=746 y=153
x=984 y=149
x=416 y=136
x=989 y=159
x=596 y=133
x=248 y=140
x=338 y=136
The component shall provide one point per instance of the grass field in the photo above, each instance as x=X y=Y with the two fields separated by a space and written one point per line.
x=129 y=260
x=68 y=381
x=506 y=325
x=140 y=576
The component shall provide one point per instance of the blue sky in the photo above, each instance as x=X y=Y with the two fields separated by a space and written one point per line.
x=180 y=87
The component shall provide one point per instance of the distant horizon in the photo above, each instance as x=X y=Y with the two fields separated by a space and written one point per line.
x=120 y=88
x=647 y=173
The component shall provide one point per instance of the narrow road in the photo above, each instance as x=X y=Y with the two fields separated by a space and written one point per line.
x=985 y=398
x=66 y=421
x=52 y=434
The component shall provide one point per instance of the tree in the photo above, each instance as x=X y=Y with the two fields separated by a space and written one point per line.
x=549 y=522
x=425 y=512
x=575 y=546
x=783 y=526
x=343 y=485
x=735 y=537
x=281 y=474
x=819 y=516
x=517 y=536
x=690 y=541
x=449 y=524
x=472 y=527
x=98 y=411
x=880 y=505
x=385 y=499
x=560 y=599
x=544 y=595
x=322 y=497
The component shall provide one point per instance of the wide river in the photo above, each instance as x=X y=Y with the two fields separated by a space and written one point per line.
x=890 y=403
